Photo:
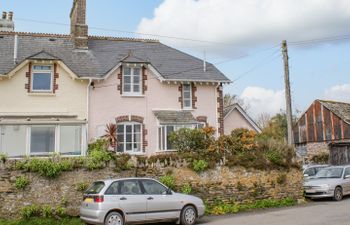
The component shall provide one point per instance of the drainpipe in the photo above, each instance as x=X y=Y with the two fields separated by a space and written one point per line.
x=216 y=110
x=87 y=112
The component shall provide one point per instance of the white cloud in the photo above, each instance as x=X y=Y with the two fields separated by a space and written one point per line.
x=247 y=22
x=338 y=93
x=261 y=100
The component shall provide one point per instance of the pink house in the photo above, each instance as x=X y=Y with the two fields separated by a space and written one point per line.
x=146 y=88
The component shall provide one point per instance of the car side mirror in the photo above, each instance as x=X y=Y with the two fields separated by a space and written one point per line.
x=347 y=176
x=169 y=192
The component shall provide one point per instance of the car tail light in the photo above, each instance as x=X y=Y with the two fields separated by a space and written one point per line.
x=98 y=199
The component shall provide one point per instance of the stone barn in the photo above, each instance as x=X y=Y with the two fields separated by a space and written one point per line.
x=324 y=127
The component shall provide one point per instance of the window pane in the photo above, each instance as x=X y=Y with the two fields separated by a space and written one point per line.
x=187 y=87
x=13 y=140
x=136 y=80
x=128 y=137
x=153 y=188
x=187 y=95
x=41 y=81
x=128 y=147
x=137 y=71
x=120 y=129
x=41 y=67
x=70 y=143
x=120 y=147
x=127 y=71
x=187 y=103
x=137 y=128
x=127 y=87
x=169 y=130
x=130 y=188
x=136 y=88
x=127 y=79
x=42 y=139
x=113 y=189
x=128 y=128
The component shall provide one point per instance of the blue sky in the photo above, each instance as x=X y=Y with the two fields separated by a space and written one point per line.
x=317 y=71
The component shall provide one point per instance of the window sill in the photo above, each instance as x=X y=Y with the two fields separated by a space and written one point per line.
x=41 y=94
x=165 y=151
x=132 y=96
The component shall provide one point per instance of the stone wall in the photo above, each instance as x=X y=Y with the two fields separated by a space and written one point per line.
x=227 y=184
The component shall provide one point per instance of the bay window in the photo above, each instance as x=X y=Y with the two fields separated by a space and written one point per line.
x=70 y=140
x=129 y=137
x=132 y=80
x=41 y=78
x=164 y=132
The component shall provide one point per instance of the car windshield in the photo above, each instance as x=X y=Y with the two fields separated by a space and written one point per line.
x=95 y=188
x=330 y=173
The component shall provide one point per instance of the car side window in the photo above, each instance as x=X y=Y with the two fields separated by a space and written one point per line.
x=130 y=187
x=153 y=188
x=310 y=171
x=347 y=171
x=113 y=189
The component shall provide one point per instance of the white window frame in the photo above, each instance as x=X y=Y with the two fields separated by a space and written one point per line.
x=186 y=99
x=163 y=141
x=133 y=151
x=132 y=83
x=36 y=71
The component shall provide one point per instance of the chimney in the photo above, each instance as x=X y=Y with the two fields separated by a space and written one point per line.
x=6 y=22
x=78 y=27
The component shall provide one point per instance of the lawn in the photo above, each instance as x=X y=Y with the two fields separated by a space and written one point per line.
x=43 y=221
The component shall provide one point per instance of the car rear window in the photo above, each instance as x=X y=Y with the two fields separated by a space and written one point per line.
x=95 y=188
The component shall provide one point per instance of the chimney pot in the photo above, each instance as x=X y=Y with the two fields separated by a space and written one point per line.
x=10 y=16
x=4 y=15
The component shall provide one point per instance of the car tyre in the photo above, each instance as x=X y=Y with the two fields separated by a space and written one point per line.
x=188 y=215
x=114 y=218
x=338 y=194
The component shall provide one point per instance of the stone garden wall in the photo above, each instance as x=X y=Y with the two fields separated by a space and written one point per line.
x=222 y=183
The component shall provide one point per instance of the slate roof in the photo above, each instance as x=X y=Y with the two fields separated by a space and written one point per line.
x=104 y=54
x=174 y=117
x=340 y=109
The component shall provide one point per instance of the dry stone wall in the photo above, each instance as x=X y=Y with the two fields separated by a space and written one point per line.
x=222 y=183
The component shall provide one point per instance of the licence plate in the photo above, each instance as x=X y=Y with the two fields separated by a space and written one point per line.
x=89 y=200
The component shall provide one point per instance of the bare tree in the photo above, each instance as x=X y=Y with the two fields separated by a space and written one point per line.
x=233 y=99
x=263 y=120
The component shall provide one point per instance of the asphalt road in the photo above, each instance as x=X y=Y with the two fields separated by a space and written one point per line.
x=321 y=212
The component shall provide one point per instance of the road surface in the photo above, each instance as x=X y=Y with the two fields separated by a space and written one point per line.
x=321 y=212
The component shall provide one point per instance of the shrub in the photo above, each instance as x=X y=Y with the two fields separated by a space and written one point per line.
x=31 y=211
x=122 y=162
x=185 y=139
x=282 y=179
x=21 y=182
x=3 y=157
x=168 y=180
x=186 y=189
x=320 y=158
x=81 y=186
x=98 y=155
x=199 y=165
x=47 y=211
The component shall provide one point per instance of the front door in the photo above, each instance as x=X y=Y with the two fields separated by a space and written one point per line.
x=160 y=205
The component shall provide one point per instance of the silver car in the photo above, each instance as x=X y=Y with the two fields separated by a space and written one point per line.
x=332 y=182
x=137 y=201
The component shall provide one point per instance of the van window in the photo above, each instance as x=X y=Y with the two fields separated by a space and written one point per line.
x=95 y=188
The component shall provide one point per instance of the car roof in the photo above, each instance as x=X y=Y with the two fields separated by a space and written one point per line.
x=127 y=178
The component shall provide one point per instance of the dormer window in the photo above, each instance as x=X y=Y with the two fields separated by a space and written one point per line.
x=132 y=81
x=41 y=78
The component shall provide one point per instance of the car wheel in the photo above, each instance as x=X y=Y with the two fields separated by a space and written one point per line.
x=338 y=194
x=188 y=215
x=114 y=218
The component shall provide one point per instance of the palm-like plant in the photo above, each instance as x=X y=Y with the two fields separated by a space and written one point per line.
x=111 y=134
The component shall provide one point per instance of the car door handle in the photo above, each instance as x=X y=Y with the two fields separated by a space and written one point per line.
x=123 y=198
x=150 y=198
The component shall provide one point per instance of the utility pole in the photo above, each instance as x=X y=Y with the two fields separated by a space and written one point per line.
x=287 y=92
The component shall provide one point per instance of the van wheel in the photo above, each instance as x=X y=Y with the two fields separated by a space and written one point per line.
x=188 y=215
x=338 y=194
x=114 y=218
